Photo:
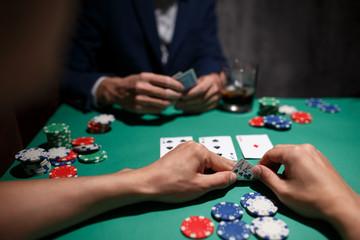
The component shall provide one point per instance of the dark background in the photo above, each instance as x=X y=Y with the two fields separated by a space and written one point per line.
x=307 y=48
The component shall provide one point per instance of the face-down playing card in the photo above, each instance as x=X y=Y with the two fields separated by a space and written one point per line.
x=221 y=145
x=169 y=143
x=188 y=79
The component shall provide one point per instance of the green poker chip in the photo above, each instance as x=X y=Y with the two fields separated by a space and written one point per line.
x=269 y=101
x=56 y=128
x=97 y=156
x=58 y=135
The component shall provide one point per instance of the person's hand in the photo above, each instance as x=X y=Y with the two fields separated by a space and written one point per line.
x=310 y=185
x=179 y=175
x=140 y=93
x=204 y=96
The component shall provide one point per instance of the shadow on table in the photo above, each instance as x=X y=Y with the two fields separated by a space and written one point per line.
x=134 y=119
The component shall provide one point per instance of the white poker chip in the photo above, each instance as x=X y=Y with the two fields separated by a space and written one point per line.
x=31 y=155
x=269 y=228
x=261 y=206
x=87 y=148
x=58 y=152
x=104 y=119
x=287 y=110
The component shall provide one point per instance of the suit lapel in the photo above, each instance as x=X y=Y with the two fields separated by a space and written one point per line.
x=145 y=10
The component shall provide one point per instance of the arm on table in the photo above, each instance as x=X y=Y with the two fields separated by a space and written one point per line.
x=42 y=207
x=311 y=186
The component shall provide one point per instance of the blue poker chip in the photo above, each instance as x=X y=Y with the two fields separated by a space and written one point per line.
x=56 y=163
x=314 y=102
x=272 y=120
x=247 y=196
x=330 y=108
x=233 y=230
x=227 y=211
x=285 y=125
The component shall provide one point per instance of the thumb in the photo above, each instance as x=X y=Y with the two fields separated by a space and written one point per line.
x=268 y=177
x=218 y=180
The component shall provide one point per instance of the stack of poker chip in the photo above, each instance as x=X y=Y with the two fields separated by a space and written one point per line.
x=271 y=121
x=323 y=106
x=268 y=106
x=88 y=151
x=65 y=171
x=100 y=123
x=301 y=117
x=258 y=205
x=58 y=135
x=34 y=161
x=60 y=156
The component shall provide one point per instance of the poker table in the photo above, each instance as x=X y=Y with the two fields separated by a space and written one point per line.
x=134 y=142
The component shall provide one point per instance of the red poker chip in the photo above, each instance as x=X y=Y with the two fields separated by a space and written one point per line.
x=72 y=155
x=82 y=141
x=97 y=125
x=63 y=172
x=301 y=117
x=197 y=227
x=257 y=122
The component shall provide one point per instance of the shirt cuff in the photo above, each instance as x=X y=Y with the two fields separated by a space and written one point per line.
x=94 y=90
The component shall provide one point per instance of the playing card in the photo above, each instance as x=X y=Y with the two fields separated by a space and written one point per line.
x=177 y=75
x=188 y=79
x=169 y=143
x=243 y=170
x=254 y=146
x=221 y=145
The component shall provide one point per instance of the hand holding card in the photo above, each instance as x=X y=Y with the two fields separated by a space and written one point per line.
x=243 y=170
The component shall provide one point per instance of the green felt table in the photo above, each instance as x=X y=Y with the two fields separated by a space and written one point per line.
x=134 y=143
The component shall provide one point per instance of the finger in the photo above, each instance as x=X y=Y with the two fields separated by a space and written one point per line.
x=217 y=163
x=199 y=106
x=147 y=101
x=158 y=92
x=163 y=81
x=217 y=180
x=268 y=177
x=199 y=90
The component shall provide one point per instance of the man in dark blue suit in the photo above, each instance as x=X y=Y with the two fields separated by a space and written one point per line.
x=124 y=52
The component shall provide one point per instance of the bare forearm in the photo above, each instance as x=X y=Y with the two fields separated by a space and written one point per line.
x=41 y=207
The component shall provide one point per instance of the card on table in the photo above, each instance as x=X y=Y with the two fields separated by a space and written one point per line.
x=188 y=79
x=243 y=170
x=254 y=146
x=221 y=145
x=169 y=143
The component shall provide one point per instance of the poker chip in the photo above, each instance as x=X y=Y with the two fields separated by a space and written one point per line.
x=87 y=148
x=285 y=125
x=72 y=155
x=36 y=168
x=269 y=228
x=93 y=157
x=58 y=152
x=63 y=172
x=104 y=119
x=268 y=106
x=58 y=135
x=260 y=206
x=257 y=122
x=81 y=141
x=57 y=163
x=330 y=108
x=246 y=196
x=31 y=155
x=197 y=227
x=314 y=102
x=227 y=211
x=287 y=110
x=301 y=117
x=233 y=230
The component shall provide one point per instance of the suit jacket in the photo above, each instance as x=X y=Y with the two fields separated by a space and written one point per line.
x=120 y=38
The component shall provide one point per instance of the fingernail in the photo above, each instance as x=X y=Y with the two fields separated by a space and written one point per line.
x=232 y=177
x=257 y=171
